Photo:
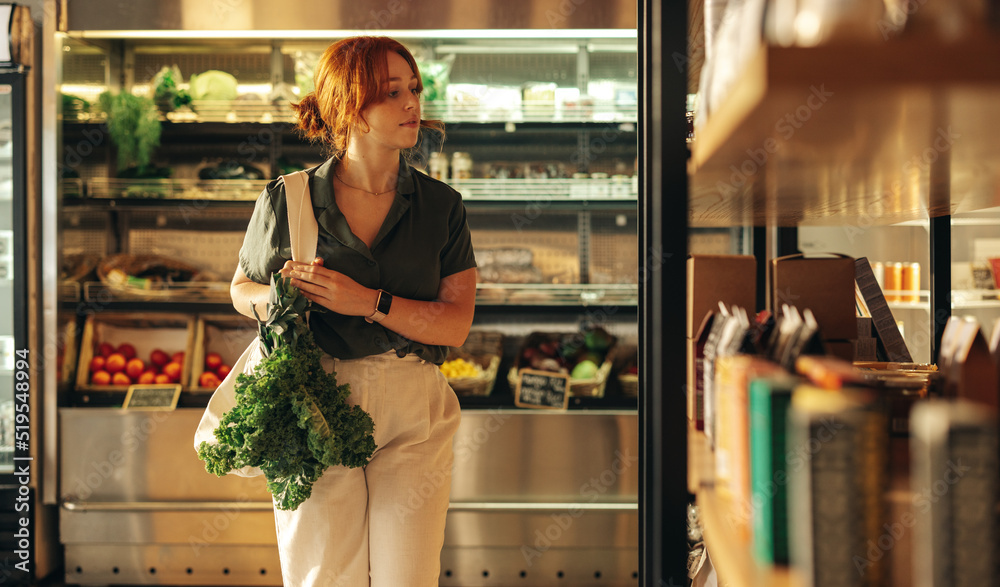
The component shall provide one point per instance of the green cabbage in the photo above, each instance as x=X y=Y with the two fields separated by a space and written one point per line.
x=212 y=85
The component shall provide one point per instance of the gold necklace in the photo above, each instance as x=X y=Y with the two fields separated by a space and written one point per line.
x=337 y=175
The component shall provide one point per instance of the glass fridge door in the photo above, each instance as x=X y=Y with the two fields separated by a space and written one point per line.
x=7 y=290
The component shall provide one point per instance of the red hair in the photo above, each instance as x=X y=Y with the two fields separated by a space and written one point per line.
x=351 y=76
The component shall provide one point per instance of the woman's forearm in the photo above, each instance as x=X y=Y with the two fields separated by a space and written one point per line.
x=250 y=294
x=437 y=322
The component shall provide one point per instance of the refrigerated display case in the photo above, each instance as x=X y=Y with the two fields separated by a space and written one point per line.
x=13 y=261
x=542 y=143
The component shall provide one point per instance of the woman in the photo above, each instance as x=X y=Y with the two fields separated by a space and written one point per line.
x=395 y=268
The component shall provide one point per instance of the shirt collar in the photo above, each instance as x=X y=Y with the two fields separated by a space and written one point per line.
x=332 y=221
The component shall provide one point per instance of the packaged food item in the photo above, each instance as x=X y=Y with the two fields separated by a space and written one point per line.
x=911 y=282
x=893 y=281
x=461 y=165
x=437 y=166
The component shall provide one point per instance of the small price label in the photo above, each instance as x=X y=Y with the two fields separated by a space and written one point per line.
x=152 y=397
x=542 y=389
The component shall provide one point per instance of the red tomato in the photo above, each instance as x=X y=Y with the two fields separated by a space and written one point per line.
x=161 y=379
x=100 y=378
x=97 y=364
x=177 y=357
x=209 y=379
x=146 y=378
x=120 y=379
x=105 y=349
x=127 y=350
x=223 y=370
x=173 y=371
x=159 y=358
x=134 y=368
x=212 y=361
x=115 y=363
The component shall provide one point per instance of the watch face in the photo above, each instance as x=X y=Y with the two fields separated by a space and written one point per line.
x=384 y=302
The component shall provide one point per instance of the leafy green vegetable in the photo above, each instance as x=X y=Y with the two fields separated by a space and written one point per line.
x=291 y=418
x=73 y=105
x=213 y=85
x=167 y=93
x=134 y=127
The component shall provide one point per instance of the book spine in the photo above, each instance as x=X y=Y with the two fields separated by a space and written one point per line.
x=769 y=403
x=835 y=499
x=954 y=479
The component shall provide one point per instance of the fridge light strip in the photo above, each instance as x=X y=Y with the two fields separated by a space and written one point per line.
x=336 y=34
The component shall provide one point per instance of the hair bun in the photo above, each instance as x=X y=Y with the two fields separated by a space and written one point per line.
x=310 y=122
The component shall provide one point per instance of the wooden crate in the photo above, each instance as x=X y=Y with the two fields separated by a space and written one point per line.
x=145 y=331
x=226 y=334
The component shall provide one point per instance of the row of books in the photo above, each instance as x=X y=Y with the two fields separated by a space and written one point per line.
x=802 y=453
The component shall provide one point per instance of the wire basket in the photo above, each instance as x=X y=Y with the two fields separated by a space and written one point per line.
x=589 y=387
x=484 y=350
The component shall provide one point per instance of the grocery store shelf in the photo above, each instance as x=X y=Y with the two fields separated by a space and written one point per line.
x=557 y=295
x=488 y=294
x=807 y=136
x=266 y=113
x=730 y=555
x=542 y=191
x=114 y=192
x=175 y=189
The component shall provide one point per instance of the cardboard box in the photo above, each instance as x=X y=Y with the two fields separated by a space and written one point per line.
x=824 y=285
x=731 y=279
x=842 y=349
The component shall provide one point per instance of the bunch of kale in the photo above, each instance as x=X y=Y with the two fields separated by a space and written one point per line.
x=291 y=418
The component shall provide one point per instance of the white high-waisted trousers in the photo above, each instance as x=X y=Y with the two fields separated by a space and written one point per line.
x=381 y=525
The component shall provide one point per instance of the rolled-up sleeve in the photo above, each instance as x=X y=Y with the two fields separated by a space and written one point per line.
x=266 y=243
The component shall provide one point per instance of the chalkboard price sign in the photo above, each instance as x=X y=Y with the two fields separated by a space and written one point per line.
x=541 y=389
x=152 y=397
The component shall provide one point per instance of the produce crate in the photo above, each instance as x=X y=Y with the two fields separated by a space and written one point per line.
x=146 y=331
x=624 y=358
x=483 y=349
x=572 y=346
x=66 y=358
x=225 y=334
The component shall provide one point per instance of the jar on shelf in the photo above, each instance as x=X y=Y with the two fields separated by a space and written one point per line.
x=893 y=281
x=461 y=165
x=910 y=282
x=437 y=166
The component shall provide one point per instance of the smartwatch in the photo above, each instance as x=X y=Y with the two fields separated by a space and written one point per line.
x=382 y=305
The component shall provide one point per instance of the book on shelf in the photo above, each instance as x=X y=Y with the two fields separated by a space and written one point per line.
x=954 y=479
x=770 y=400
x=837 y=450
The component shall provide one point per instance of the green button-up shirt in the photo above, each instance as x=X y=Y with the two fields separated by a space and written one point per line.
x=424 y=238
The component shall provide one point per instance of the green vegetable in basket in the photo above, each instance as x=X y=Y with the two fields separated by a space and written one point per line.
x=134 y=127
x=213 y=85
x=585 y=369
x=291 y=418
x=72 y=105
x=168 y=94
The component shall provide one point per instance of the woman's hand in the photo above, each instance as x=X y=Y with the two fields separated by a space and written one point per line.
x=331 y=289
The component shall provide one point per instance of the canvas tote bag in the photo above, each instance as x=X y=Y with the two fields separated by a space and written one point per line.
x=303 y=233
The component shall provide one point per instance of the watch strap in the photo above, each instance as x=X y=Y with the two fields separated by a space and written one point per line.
x=383 y=302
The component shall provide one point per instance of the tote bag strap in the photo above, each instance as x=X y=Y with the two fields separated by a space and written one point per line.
x=303 y=231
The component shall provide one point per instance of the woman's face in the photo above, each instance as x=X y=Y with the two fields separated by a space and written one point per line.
x=395 y=122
